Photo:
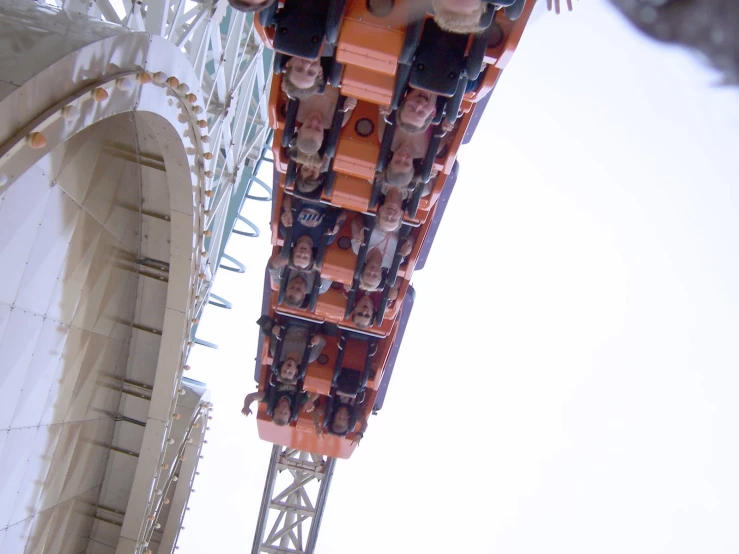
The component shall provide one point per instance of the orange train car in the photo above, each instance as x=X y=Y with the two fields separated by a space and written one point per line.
x=373 y=59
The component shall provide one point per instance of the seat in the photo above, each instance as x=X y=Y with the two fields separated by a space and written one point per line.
x=331 y=135
x=348 y=384
x=389 y=274
x=302 y=26
x=287 y=323
x=331 y=68
x=371 y=47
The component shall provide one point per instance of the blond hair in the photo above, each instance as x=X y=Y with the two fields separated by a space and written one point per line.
x=308 y=145
x=310 y=160
x=289 y=88
x=454 y=22
x=398 y=178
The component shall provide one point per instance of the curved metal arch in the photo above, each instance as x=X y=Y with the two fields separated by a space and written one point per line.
x=253 y=234
x=219 y=301
x=202 y=342
x=262 y=184
x=240 y=268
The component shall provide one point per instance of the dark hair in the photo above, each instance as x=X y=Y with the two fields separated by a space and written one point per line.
x=332 y=422
x=301 y=302
x=708 y=26
x=282 y=422
x=243 y=7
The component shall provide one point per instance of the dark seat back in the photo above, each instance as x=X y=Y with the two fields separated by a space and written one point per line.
x=300 y=27
x=439 y=61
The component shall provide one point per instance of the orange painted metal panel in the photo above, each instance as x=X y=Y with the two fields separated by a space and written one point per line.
x=303 y=436
x=277 y=103
x=372 y=42
x=351 y=193
x=318 y=377
x=356 y=155
x=369 y=46
x=338 y=264
x=363 y=84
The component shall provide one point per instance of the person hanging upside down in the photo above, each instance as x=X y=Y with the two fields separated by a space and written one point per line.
x=315 y=114
x=284 y=397
x=294 y=342
x=380 y=253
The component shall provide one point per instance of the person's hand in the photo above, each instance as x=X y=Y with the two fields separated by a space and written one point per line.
x=434 y=172
x=358 y=235
x=276 y=330
x=309 y=406
x=392 y=294
x=319 y=431
x=385 y=111
x=350 y=104
x=555 y=4
x=406 y=248
x=316 y=340
x=246 y=410
x=357 y=439
x=287 y=218
x=447 y=126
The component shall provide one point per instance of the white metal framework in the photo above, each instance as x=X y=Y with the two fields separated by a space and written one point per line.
x=293 y=514
x=233 y=70
x=230 y=60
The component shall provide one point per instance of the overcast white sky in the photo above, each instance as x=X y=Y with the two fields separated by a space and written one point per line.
x=582 y=398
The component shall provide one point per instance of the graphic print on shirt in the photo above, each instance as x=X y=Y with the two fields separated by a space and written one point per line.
x=310 y=217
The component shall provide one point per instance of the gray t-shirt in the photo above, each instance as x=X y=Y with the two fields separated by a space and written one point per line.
x=277 y=272
x=295 y=341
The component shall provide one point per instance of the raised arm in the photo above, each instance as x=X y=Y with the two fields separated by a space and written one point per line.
x=407 y=246
x=286 y=218
x=250 y=398
x=359 y=435
x=318 y=342
x=318 y=419
x=448 y=136
x=358 y=225
x=384 y=112
x=310 y=404
x=349 y=105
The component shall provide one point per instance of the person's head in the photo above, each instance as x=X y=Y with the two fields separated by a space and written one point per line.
x=416 y=111
x=459 y=16
x=301 y=255
x=288 y=370
x=282 y=411
x=308 y=179
x=295 y=292
x=303 y=78
x=371 y=276
x=310 y=134
x=340 y=420
x=400 y=170
x=390 y=213
x=250 y=5
x=363 y=312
